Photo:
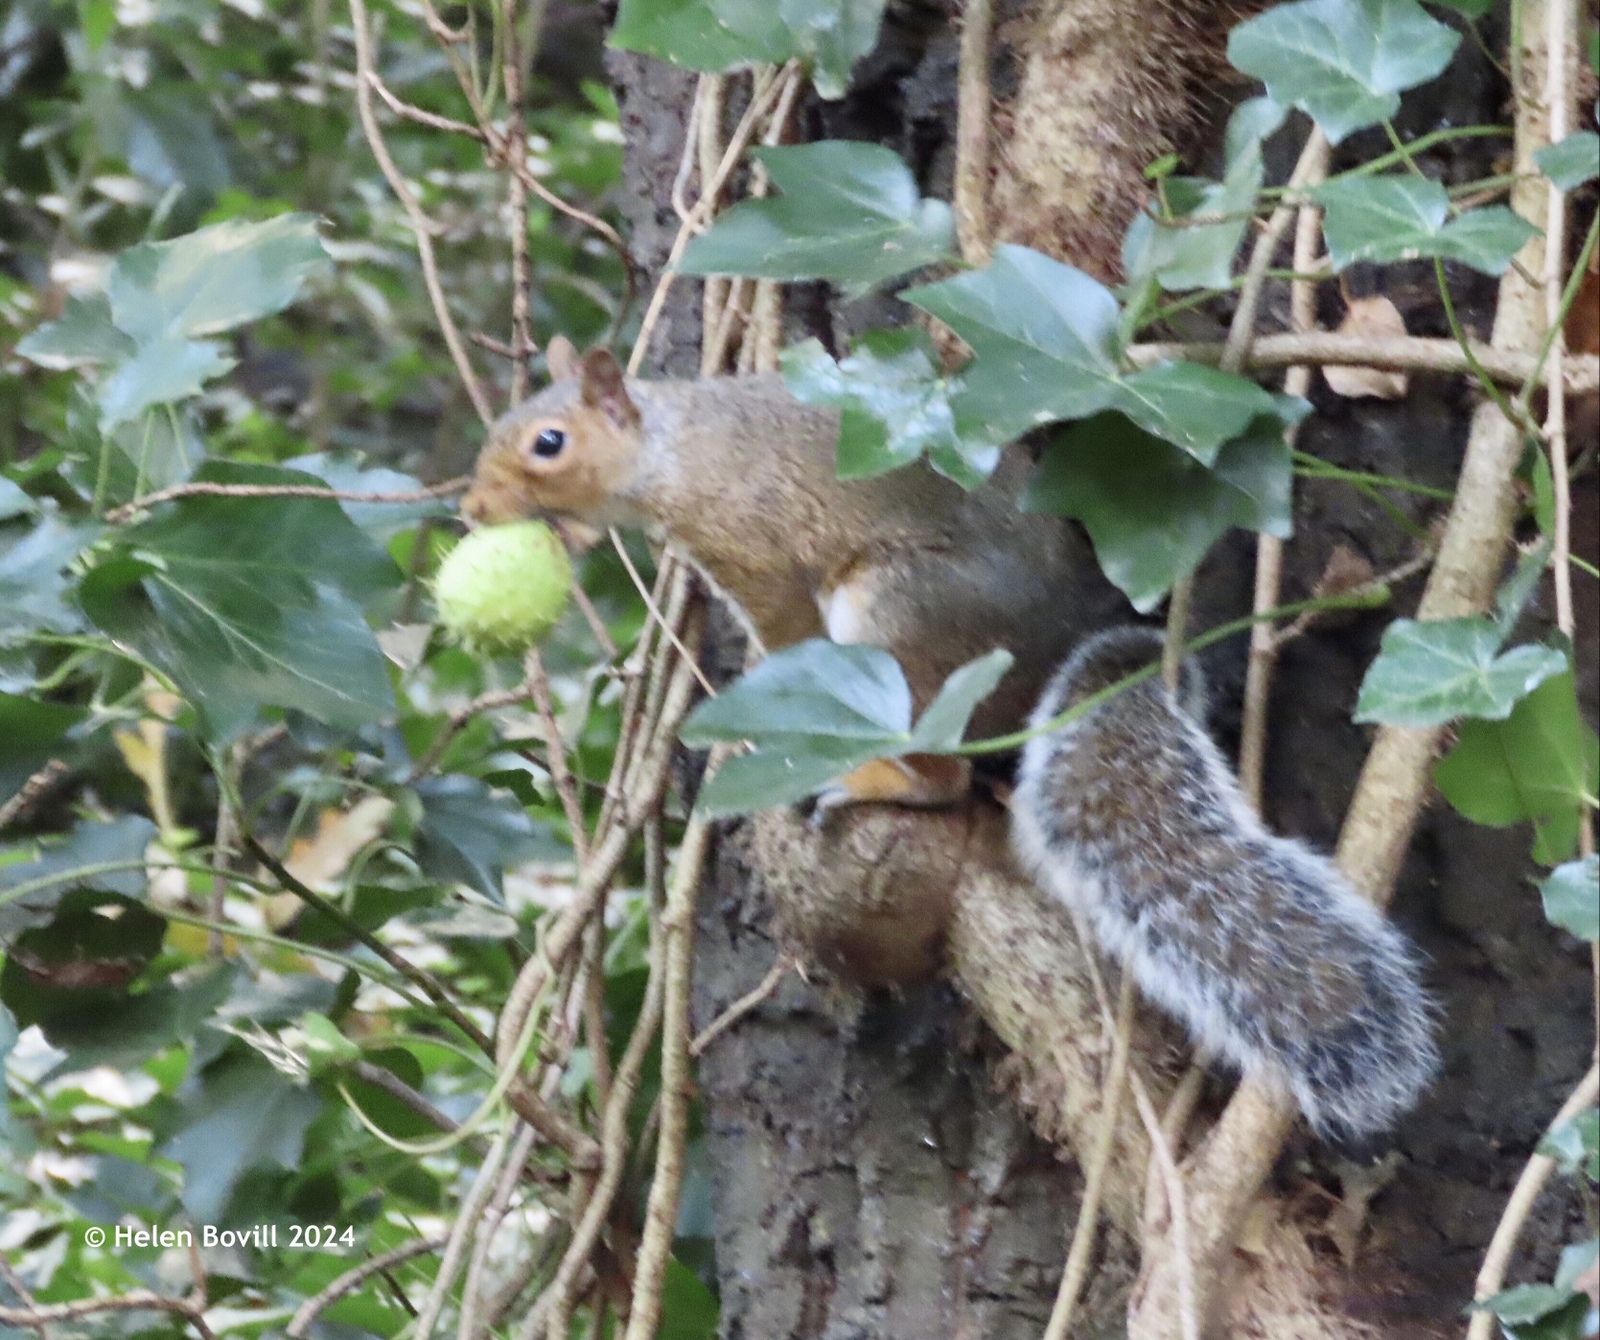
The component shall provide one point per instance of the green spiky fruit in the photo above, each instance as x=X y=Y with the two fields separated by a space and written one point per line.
x=503 y=587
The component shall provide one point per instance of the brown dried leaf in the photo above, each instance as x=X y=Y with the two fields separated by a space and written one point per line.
x=1377 y=318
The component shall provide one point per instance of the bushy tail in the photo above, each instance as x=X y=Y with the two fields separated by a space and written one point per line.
x=1265 y=952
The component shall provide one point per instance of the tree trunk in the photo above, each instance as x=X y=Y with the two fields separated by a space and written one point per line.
x=870 y=1180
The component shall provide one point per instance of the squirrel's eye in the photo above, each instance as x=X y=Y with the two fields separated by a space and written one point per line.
x=549 y=443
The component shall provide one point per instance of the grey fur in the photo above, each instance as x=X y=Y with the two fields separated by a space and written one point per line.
x=1257 y=944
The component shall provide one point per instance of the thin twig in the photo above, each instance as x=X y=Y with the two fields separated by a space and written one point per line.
x=353 y=1279
x=661 y=1211
x=32 y=792
x=137 y=1300
x=1269 y=548
x=1535 y=1173
x=970 y=193
x=1408 y=353
x=763 y=991
x=556 y=751
x=419 y=977
x=1077 y=1266
x=423 y=118
x=422 y=227
x=117 y=515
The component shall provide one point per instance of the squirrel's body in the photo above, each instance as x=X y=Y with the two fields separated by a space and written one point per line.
x=1128 y=815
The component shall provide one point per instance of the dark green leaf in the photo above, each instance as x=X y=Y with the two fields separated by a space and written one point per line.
x=91 y=845
x=1045 y=336
x=850 y=213
x=1573 y=161
x=1426 y=674
x=1153 y=511
x=1536 y=765
x=1343 y=62
x=30 y=731
x=165 y=369
x=830 y=35
x=33 y=581
x=1472 y=9
x=379 y=520
x=248 y=602
x=214 y=279
x=781 y=771
x=1182 y=253
x=83 y=335
x=816 y=688
x=689 y=1310
x=1519 y=587
x=14 y=502
x=239 y=1115
x=1195 y=407
x=894 y=406
x=1575 y=1146
x=1572 y=897
x=1400 y=218
x=944 y=721
x=470 y=834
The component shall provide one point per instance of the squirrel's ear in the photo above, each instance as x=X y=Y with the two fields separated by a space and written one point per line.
x=561 y=358
x=602 y=389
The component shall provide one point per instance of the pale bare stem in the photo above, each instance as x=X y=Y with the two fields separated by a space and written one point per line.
x=455 y=1247
x=1535 y=1174
x=422 y=227
x=971 y=189
x=137 y=1300
x=734 y=312
x=1077 y=1266
x=753 y=999
x=686 y=157
x=353 y=1279
x=705 y=129
x=1399 y=573
x=661 y=1210
x=597 y=625
x=432 y=120
x=553 y=1309
x=648 y=597
x=766 y=93
x=594 y=1013
x=484 y=702
x=117 y=515
x=222 y=847
x=13 y=1281
x=1410 y=353
x=556 y=751
x=1177 y=630
x=1269 y=548
x=472 y=1324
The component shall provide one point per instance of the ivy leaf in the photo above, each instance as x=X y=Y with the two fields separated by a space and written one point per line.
x=1151 y=510
x=166 y=369
x=1426 y=674
x=62 y=865
x=1536 y=765
x=14 y=502
x=819 y=709
x=472 y=835
x=714 y=35
x=1342 y=62
x=380 y=520
x=1198 y=408
x=33 y=578
x=849 y=213
x=1571 y=897
x=1045 y=336
x=1472 y=9
x=1401 y=218
x=894 y=406
x=83 y=336
x=30 y=732
x=214 y=279
x=237 y=1115
x=1575 y=1145
x=942 y=725
x=1180 y=253
x=249 y=602
x=1573 y=161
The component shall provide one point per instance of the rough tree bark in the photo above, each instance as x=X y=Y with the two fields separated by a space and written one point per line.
x=870 y=1180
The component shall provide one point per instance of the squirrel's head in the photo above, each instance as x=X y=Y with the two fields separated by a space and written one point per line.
x=571 y=450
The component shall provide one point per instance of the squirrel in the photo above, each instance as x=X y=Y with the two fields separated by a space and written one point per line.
x=1128 y=815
